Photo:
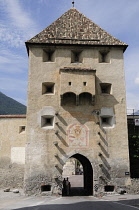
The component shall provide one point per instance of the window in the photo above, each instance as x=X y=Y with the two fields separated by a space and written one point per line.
x=76 y=57
x=109 y=188
x=107 y=121
x=47 y=121
x=22 y=129
x=48 y=88
x=48 y=56
x=84 y=83
x=85 y=99
x=105 y=88
x=69 y=83
x=45 y=188
x=68 y=99
x=104 y=57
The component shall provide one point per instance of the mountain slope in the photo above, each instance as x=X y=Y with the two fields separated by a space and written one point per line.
x=9 y=106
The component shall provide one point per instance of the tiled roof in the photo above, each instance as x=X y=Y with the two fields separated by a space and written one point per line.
x=75 y=28
x=12 y=116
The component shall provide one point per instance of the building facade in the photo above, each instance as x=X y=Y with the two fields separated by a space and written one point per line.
x=12 y=150
x=76 y=106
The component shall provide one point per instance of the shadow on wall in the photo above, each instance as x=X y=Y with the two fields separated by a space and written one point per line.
x=80 y=107
x=104 y=94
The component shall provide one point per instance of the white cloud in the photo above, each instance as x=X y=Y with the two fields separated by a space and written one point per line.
x=16 y=24
x=12 y=84
x=19 y=17
x=11 y=37
x=11 y=62
x=137 y=81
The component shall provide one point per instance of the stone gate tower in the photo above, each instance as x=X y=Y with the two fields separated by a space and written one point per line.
x=76 y=105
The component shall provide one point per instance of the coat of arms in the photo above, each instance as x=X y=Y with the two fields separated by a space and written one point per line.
x=78 y=135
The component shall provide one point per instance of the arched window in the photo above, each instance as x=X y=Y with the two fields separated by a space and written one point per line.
x=69 y=99
x=85 y=99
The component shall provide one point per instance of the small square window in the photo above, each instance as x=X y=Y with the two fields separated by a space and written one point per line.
x=45 y=188
x=69 y=83
x=84 y=83
x=104 y=57
x=107 y=121
x=48 y=88
x=104 y=120
x=22 y=129
x=47 y=121
x=76 y=57
x=48 y=56
x=105 y=88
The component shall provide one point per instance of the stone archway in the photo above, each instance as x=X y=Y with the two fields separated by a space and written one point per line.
x=87 y=188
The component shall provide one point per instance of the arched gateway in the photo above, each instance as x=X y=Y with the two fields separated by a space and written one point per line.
x=88 y=173
x=87 y=188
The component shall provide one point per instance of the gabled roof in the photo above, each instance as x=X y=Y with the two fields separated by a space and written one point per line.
x=75 y=28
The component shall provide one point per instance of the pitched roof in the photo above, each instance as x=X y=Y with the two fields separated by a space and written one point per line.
x=75 y=28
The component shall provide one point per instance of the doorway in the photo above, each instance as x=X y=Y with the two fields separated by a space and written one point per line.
x=79 y=172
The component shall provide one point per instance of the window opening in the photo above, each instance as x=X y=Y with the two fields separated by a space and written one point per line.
x=69 y=83
x=22 y=128
x=48 y=56
x=69 y=99
x=45 y=188
x=84 y=83
x=103 y=57
x=47 y=88
x=47 y=121
x=109 y=188
x=107 y=121
x=85 y=99
x=76 y=57
x=105 y=88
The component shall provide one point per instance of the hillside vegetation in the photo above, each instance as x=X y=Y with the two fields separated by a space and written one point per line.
x=9 y=106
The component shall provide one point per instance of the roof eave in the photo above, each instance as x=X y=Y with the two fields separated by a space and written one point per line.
x=124 y=46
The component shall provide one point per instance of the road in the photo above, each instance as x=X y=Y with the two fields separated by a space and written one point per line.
x=63 y=203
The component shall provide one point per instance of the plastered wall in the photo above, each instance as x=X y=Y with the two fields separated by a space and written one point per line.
x=12 y=150
x=106 y=148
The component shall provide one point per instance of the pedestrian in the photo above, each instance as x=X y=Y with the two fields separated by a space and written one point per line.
x=64 y=190
x=68 y=186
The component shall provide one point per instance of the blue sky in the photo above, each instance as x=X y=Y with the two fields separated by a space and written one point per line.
x=20 y=20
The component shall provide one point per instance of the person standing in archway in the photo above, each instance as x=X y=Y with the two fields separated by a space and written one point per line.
x=67 y=187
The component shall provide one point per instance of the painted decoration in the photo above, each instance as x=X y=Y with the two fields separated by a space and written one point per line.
x=78 y=135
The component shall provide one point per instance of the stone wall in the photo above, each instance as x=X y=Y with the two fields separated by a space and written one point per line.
x=11 y=175
x=134 y=187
